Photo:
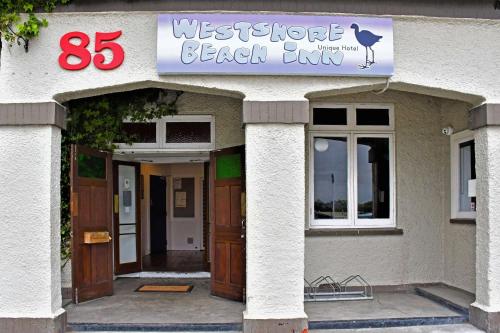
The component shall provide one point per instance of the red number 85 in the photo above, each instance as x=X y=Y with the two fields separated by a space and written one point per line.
x=103 y=40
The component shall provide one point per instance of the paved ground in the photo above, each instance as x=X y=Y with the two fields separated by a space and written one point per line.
x=419 y=329
x=128 y=306
x=385 y=305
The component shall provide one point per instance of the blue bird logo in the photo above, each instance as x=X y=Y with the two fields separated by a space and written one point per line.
x=367 y=39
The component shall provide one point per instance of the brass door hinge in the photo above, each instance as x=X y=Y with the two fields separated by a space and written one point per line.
x=116 y=203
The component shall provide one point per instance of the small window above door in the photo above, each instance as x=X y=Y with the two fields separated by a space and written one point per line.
x=188 y=132
x=142 y=132
x=179 y=132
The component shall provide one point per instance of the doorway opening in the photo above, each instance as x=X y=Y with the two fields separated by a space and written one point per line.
x=167 y=203
x=172 y=201
x=171 y=211
x=169 y=214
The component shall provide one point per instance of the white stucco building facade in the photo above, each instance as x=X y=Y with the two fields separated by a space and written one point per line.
x=446 y=72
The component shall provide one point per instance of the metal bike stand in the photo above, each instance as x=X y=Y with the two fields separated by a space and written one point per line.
x=326 y=289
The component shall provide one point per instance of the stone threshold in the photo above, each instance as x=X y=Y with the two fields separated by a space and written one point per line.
x=386 y=322
x=181 y=327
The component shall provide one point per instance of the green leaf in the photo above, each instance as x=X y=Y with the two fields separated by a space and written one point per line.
x=13 y=29
x=28 y=7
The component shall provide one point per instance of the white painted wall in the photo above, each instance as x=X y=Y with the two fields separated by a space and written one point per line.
x=426 y=60
x=183 y=228
x=275 y=221
x=30 y=219
x=431 y=249
x=459 y=240
x=488 y=205
x=178 y=229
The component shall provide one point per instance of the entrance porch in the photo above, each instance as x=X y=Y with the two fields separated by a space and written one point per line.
x=415 y=245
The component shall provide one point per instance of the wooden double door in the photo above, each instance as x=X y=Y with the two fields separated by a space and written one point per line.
x=105 y=204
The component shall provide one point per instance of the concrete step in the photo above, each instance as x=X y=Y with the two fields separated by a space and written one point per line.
x=455 y=299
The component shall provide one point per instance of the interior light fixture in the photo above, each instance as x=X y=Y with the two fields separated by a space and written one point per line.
x=321 y=145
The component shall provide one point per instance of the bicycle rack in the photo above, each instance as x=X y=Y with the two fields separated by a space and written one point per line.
x=326 y=289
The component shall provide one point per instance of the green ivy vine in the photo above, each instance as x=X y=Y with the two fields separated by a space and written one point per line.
x=17 y=28
x=97 y=122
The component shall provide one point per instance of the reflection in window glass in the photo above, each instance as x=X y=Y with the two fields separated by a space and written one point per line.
x=91 y=166
x=330 y=178
x=467 y=172
x=373 y=178
x=188 y=132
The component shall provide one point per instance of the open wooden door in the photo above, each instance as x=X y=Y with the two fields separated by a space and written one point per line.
x=91 y=202
x=127 y=217
x=227 y=211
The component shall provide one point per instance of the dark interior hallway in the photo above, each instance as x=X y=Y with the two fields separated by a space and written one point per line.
x=175 y=261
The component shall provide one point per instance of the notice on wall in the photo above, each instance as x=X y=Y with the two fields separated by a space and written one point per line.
x=177 y=183
x=180 y=200
x=274 y=44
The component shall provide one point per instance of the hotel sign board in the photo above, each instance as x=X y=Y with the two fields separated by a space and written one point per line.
x=274 y=45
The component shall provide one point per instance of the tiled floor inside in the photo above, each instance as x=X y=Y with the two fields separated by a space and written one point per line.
x=175 y=261
x=128 y=306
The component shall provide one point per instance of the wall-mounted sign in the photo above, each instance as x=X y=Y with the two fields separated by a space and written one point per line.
x=180 y=200
x=274 y=44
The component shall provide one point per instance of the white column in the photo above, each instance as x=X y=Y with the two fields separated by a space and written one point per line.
x=485 y=312
x=275 y=185
x=30 y=272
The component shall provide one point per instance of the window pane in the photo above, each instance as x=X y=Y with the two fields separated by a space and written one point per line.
x=188 y=132
x=373 y=178
x=91 y=166
x=228 y=166
x=372 y=117
x=467 y=172
x=330 y=178
x=142 y=132
x=329 y=116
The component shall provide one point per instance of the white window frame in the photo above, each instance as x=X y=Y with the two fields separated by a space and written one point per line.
x=329 y=223
x=375 y=223
x=455 y=141
x=161 y=143
x=352 y=132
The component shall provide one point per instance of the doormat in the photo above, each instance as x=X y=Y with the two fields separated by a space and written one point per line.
x=164 y=288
